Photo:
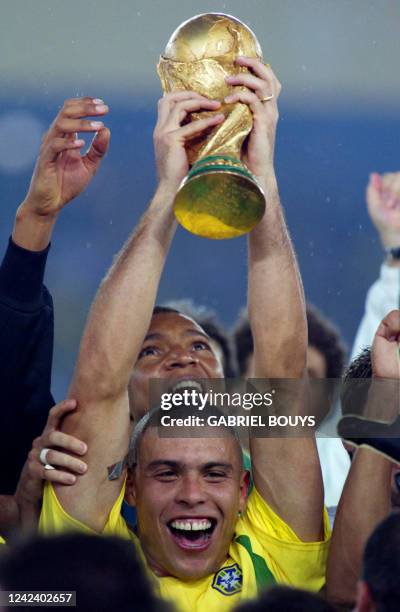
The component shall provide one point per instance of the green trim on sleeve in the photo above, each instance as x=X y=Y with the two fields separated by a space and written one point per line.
x=264 y=576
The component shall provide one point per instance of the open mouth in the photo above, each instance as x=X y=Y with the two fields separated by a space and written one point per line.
x=192 y=533
x=187 y=384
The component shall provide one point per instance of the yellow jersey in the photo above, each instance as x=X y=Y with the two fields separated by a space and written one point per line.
x=264 y=551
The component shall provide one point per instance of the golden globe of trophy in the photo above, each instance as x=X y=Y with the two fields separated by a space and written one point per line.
x=219 y=198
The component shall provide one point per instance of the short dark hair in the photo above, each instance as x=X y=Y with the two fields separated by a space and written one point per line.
x=325 y=337
x=381 y=564
x=208 y=320
x=105 y=572
x=279 y=598
x=164 y=310
x=152 y=420
x=322 y=335
x=356 y=382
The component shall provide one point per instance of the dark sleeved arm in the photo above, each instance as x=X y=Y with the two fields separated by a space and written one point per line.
x=26 y=351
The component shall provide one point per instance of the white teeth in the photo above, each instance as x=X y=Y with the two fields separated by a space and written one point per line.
x=187 y=384
x=191 y=525
x=201 y=525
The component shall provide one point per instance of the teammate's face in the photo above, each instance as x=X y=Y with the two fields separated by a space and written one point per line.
x=176 y=349
x=187 y=493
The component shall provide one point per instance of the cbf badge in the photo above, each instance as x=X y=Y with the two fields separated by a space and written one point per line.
x=228 y=580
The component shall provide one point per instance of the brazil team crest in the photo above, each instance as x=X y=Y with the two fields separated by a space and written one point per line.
x=228 y=580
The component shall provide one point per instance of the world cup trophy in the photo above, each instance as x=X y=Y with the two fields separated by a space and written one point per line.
x=220 y=197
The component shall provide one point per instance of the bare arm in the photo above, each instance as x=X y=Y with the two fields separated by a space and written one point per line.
x=116 y=327
x=360 y=510
x=365 y=499
x=275 y=296
x=26 y=310
x=286 y=471
x=119 y=319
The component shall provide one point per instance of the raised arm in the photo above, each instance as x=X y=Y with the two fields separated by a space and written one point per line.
x=365 y=500
x=286 y=471
x=119 y=319
x=26 y=308
x=61 y=172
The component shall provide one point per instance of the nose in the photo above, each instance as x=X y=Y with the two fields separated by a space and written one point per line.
x=191 y=492
x=179 y=357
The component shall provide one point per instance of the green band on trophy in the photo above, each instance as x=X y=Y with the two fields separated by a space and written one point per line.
x=218 y=163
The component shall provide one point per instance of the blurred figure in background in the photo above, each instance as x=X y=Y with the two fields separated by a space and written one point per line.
x=281 y=599
x=105 y=572
x=383 y=203
x=326 y=354
x=379 y=585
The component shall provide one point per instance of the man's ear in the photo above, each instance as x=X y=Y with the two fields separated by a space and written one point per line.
x=364 y=602
x=130 y=488
x=244 y=488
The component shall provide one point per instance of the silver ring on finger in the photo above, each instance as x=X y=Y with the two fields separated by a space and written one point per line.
x=43 y=459
x=267 y=98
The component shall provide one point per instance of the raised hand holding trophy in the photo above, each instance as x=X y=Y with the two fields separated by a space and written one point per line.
x=219 y=198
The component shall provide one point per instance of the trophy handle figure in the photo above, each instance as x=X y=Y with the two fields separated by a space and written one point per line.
x=219 y=198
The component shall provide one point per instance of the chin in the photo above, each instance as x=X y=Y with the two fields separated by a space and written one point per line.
x=193 y=566
x=193 y=571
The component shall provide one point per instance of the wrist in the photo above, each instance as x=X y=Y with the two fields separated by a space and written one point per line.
x=393 y=257
x=158 y=222
x=162 y=204
x=167 y=190
x=32 y=231
x=389 y=239
x=27 y=211
x=268 y=182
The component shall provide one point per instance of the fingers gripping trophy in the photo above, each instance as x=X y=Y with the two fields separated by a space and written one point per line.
x=220 y=197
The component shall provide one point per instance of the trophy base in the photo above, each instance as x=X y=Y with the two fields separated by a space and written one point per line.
x=219 y=199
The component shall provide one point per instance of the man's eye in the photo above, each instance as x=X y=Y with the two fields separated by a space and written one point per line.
x=200 y=346
x=214 y=475
x=148 y=350
x=166 y=475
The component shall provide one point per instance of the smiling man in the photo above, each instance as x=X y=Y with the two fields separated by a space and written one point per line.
x=174 y=348
x=185 y=486
x=188 y=492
